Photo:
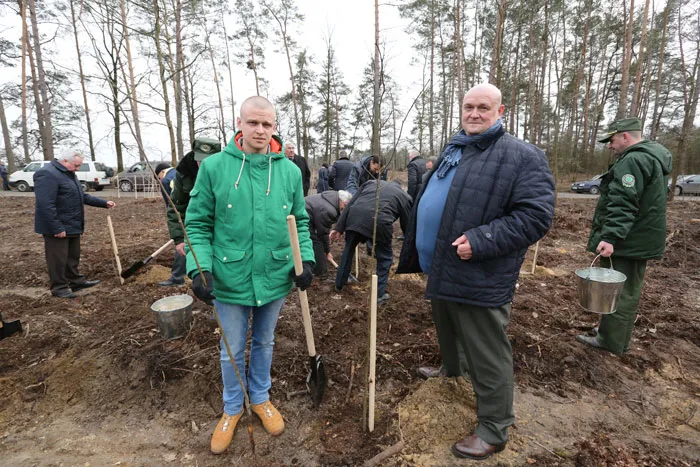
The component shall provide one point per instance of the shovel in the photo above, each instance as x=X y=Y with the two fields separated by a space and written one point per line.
x=139 y=264
x=316 y=380
x=351 y=276
x=7 y=328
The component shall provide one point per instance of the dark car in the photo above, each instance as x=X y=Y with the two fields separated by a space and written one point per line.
x=591 y=186
x=138 y=177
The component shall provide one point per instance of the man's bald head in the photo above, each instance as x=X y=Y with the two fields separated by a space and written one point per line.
x=257 y=103
x=487 y=89
x=481 y=108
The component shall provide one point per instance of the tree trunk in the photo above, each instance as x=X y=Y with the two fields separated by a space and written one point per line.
x=131 y=89
x=656 y=118
x=495 y=71
x=25 y=38
x=431 y=99
x=6 y=138
x=376 y=105
x=624 y=85
x=230 y=78
x=82 y=80
x=164 y=84
x=37 y=98
x=458 y=58
x=641 y=60
x=177 y=78
x=44 y=107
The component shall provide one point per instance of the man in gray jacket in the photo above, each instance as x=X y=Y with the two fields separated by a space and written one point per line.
x=416 y=169
x=324 y=209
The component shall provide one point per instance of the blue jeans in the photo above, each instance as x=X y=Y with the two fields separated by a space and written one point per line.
x=234 y=320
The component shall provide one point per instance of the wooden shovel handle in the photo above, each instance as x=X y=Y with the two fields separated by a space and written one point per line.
x=114 y=248
x=298 y=269
x=160 y=250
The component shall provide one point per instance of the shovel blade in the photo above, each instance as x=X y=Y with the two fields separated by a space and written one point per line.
x=316 y=380
x=132 y=269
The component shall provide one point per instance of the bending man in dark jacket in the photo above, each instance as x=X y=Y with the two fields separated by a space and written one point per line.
x=60 y=218
x=416 y=170
x=491 y=196
x=629 y=223
x=357 y=221
x=183 y=178
x=340 y=172
x=324 y=209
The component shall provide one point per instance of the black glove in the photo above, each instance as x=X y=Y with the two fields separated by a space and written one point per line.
x=303 y=281
x=204 y=293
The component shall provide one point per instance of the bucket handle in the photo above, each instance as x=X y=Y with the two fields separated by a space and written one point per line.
x=594 y=260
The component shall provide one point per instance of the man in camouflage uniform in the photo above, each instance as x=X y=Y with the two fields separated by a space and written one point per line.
x=629 y=224
x=185 y=177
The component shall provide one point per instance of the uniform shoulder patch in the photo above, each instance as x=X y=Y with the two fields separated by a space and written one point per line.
x=628 y=180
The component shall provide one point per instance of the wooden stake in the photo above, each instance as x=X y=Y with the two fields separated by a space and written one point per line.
x=372 y=352
x=534 y=259
x=114 y=248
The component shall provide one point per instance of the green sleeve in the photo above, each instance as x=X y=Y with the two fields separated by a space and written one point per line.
x=199 y=223
x=624 y=193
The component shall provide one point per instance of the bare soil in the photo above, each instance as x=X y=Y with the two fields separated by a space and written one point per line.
x=91 y=382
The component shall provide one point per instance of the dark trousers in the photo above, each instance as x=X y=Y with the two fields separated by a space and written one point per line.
x=179 y=269
x=481 y=332
x=62 y=259
x=5 y=184
x=615 y=330
x=321 y=268
x=383 y=253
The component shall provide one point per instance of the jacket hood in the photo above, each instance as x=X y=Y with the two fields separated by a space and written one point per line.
x=657 y=151
x=332 y=198
x=235 y=147
x=187 y=165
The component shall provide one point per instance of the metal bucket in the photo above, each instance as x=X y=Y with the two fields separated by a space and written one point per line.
x=174 y=315
x=599 y=288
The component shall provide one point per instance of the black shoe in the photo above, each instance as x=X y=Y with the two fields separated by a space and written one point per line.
x=64 y=293
x=171 y=283
x=84 y=285
x=337 y=289
x=431 y=371
x=590 y=340
x=473 y=447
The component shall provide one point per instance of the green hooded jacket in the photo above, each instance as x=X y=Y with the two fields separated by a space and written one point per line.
x=237 y=223
x=631 y=211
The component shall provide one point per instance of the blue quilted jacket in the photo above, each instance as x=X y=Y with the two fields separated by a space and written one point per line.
x=502 y=199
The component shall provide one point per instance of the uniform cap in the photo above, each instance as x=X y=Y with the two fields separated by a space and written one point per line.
x=205 y=147
x=620 y=126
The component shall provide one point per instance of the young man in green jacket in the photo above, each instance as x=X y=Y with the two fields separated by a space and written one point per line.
x=237 y=224
x=629 y=224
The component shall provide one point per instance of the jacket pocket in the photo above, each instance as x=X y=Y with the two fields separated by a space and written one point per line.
x=231 y=271
x=277 y=266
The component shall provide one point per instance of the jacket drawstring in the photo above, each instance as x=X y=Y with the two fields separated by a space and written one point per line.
x=241 y=173
x=269 y=174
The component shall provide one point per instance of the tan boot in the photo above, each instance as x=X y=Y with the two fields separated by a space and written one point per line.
x=271 y=418
x=223 y=433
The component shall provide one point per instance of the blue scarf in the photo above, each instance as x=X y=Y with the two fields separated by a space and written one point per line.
x=453 y=149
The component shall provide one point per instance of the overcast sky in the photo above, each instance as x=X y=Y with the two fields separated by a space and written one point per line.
x=349 y=24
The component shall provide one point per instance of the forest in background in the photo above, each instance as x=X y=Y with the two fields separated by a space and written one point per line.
x=566 y=70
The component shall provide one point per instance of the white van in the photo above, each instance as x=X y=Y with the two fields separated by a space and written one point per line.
x=90 y=174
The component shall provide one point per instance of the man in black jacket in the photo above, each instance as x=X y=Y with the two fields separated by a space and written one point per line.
x=60 y=217
x=301 y=163
x=324 y=209
x=340 y=172
x=366 y=169
x=490 y=197
x=416 y=170
x=357 y=221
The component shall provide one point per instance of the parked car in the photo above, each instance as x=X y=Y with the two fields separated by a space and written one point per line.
x=687 y=185
x=138 y=177
x=591 y=186
x=92 y=175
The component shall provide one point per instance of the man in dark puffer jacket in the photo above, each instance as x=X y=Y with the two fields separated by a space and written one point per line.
x=488 y=197
x=60 y=218
x=629 y=223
